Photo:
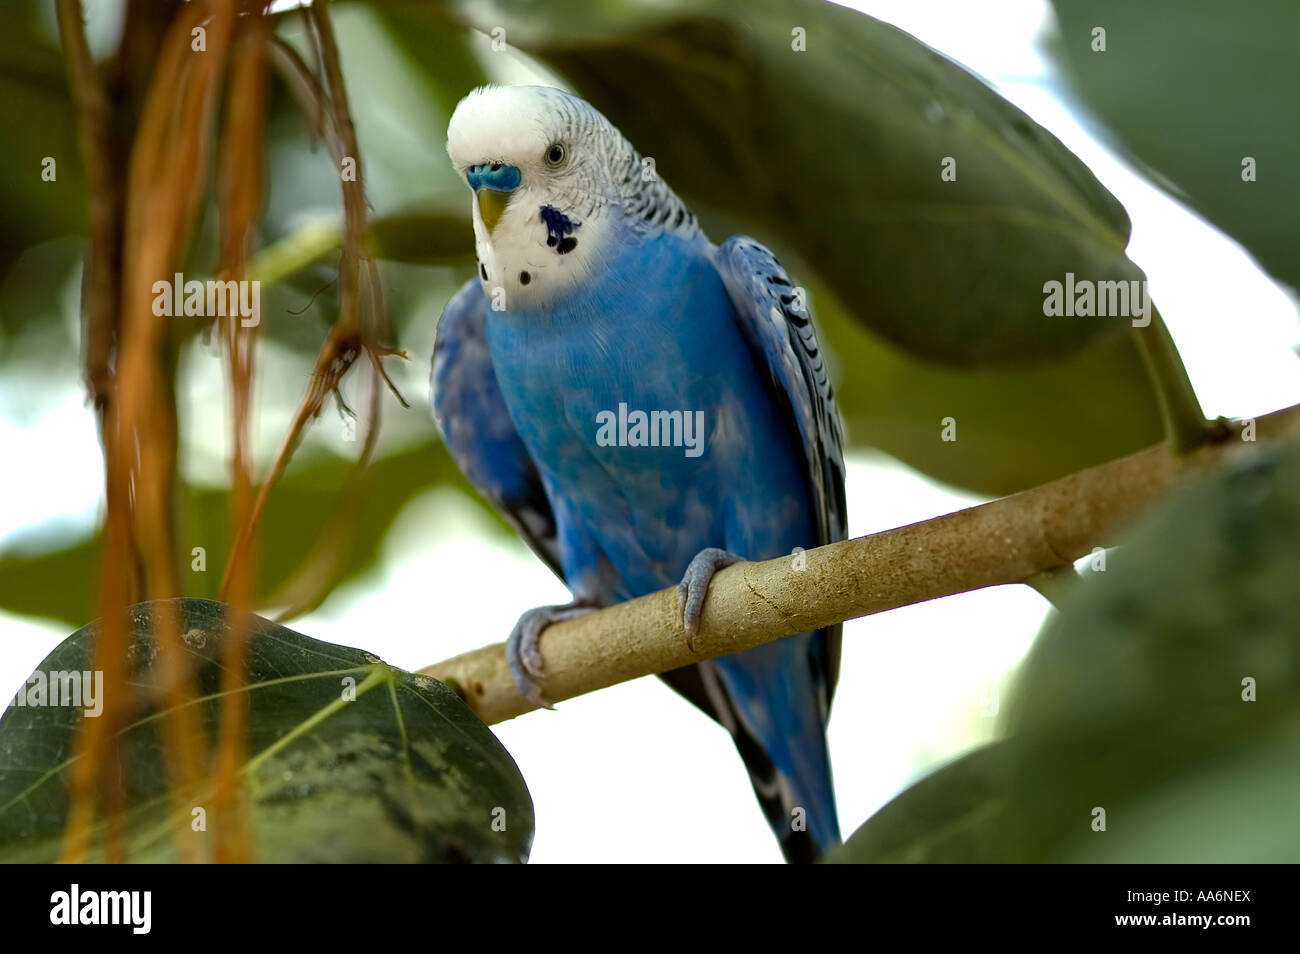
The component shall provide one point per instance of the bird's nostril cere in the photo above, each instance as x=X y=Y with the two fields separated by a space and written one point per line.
x=496 y=175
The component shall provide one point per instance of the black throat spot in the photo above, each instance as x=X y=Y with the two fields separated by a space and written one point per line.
x=559 y=229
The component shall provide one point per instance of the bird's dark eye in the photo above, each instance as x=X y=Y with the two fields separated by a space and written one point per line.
x=555 y=154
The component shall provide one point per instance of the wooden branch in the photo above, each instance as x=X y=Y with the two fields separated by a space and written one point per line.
x=1004 y=541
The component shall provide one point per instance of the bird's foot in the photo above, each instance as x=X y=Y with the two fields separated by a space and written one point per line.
x=523 y=655
x=695 y=586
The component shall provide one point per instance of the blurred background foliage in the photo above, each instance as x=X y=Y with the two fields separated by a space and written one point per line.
x=1223 y=77
x=1166 y=693
x=928 y=292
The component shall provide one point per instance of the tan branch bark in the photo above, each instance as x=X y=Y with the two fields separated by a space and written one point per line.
x=1004 y=541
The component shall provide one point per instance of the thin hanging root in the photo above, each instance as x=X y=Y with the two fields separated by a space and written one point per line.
x=101 y=155
x=241 y=198
x=361 y=323
x=337 y=356
x=319 y=572
x=163 y=179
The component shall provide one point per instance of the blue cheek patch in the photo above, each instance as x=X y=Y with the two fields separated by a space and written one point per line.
x=495 y=175
x=559 y=229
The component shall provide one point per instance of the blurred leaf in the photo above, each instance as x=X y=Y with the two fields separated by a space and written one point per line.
x=1133 y=699
x=1015 y=429
x=1193 y=87
x=422 y=234
x=404 y=773
x=954 y=815
x=62 y=584
x=1132 y=702
x=1238 y=807
x=430 y=38
x=836 y=153
x=428 y=234
x=36 y=109
x=34 y=324
x=55 y=584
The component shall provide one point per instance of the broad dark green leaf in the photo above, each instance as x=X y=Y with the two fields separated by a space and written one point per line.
x=956 y=814
x=1192 y=88
x=1014 y=428
x=404 y=772
x=834 y=154
x=1133 y=700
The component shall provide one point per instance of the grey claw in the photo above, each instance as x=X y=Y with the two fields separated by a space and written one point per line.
x=523 y=651
x=694 y=587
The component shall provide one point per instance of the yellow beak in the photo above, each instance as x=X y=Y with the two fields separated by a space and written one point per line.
x=491 y=203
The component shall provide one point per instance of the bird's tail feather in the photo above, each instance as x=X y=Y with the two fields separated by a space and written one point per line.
x=769 y=700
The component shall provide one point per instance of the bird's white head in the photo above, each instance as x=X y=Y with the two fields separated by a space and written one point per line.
x=553 y=181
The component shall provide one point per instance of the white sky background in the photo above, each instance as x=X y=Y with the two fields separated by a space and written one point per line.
x=633 y=773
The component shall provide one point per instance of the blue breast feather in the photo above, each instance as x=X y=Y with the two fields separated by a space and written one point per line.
x=653 y=330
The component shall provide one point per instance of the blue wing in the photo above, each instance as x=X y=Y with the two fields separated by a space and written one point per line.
x=477 y=428
x=782 y=691
x=774 y=319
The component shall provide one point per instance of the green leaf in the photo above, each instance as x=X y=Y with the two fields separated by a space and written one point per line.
x=1191 y=88
x=957 y=814
x=60 y=583
x=1133 y=699
x=1014 y=429
x=835 y=154
x=404 y=773
x=35 y=105
x=1239 y=807
x=427 y=35
x=425 y=234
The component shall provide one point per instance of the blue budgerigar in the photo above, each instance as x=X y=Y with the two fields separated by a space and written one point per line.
x=645 y=408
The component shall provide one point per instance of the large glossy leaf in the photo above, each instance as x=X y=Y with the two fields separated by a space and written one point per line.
x=834 y=154
x=1136 y=698
x=1166 y=693
x=402 y=772
x=1014 y=428
x=957 y=814
x=1192 y=88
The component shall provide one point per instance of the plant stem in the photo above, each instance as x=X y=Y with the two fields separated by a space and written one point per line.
x=1054 y=584
x=1004 y=541
x=1186 y=427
